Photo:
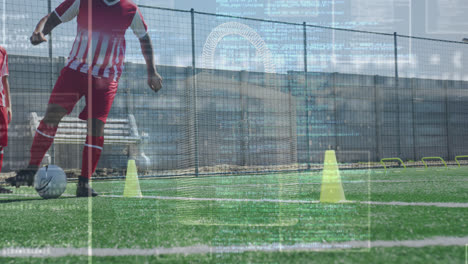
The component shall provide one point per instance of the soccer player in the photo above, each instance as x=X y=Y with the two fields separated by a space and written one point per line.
x=5 y=107
x=93 y=70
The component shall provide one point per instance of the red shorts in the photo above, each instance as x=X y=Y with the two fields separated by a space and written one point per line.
x=3 y=127
x=72 y=85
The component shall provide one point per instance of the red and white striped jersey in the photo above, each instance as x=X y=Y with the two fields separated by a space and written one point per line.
x=3 y=72
x=100 y=39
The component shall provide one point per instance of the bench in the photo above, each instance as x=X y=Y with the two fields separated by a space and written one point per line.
x=73 y=130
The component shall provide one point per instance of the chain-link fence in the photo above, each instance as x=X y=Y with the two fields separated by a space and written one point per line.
x=244 y=94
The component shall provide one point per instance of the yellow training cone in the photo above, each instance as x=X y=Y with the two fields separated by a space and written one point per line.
x=132 y=185
x=332 y=190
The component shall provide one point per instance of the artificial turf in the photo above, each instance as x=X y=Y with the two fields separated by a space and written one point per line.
x=163 y=220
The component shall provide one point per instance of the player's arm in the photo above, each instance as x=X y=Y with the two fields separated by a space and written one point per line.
x=154 y=79
x=140 y=29
x=65 y=12
x=6 y=86
x=4 y=72
x=44 y=27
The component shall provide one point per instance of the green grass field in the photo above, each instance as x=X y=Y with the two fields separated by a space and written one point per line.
x=274 y=218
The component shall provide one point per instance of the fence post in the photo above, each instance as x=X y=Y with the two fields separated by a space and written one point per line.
x=194 y=95
x=447 y=121
x=292 y=122
x=415 y=156
x=306 y=85
x=244 y=126
x=128 y=95
x=51 y=59
x=335 y=112
x=377 y=119
x=50 y=42
x=397 y=89
x=51 y=72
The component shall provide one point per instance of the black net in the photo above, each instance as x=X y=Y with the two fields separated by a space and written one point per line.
x=245 y=95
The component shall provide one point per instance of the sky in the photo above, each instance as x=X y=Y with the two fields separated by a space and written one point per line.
x=444 y=19
x=439 y=19
x=328 y=51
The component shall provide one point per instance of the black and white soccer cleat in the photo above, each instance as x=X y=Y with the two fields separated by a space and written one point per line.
x=23 y=177
x=84 y=190
x=3 y=190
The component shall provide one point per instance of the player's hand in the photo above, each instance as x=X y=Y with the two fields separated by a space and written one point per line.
x=37 y=38
x=155 y=81
x=10 y=115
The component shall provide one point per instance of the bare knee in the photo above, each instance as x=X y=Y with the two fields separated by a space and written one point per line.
x=96 y=128
x=54 y=115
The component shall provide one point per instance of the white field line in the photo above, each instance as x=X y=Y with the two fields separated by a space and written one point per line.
x=347 y=181
x=52 y=252
x=219 y=199
x=288 y=184
x=13 y=195
x=175 y=198
x=445 y=205
x=8 y=196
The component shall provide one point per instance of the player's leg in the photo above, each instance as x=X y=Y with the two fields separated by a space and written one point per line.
x=1 y=158
x=96 y=112
x=43 y=139
x=91 y=153
x=45 y=134
x=3 y=139
x=2 y=190
x=61 y=102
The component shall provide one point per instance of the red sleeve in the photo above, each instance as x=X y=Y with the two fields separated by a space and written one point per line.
x=68 y=10
x=4 y=70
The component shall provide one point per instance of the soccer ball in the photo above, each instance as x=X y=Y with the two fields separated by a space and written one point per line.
x=50 y=182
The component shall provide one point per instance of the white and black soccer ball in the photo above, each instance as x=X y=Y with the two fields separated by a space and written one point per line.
x=50 y=182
